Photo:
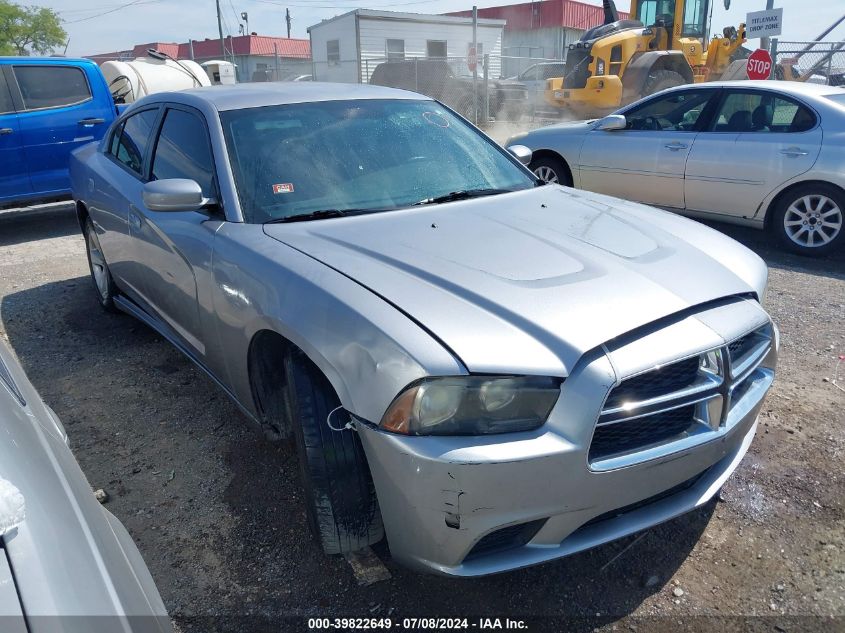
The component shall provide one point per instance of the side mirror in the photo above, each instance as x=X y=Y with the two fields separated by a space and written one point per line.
x=174 y=194
x=612 y=122
x=521 y=153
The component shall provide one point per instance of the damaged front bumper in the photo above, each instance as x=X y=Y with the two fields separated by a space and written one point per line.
x=470 y=506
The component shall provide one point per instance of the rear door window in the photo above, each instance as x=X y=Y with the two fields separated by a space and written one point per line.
x=51 y=86
x=131 y=147
x=762 y=112
x=183 y=151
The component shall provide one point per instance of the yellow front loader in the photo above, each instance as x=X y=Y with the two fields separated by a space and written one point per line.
x=664 y=43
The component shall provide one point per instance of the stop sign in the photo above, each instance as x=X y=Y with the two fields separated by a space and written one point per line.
x=472 y=59
x=759 y=65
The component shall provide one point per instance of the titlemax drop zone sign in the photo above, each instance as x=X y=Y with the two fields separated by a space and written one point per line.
x=763 y=23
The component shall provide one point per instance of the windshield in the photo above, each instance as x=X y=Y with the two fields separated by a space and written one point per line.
x=373 y=155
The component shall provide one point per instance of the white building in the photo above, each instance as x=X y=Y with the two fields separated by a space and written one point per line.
x=347 y=48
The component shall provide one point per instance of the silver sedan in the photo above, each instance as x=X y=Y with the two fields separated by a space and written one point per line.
x=492 y=372
x=66 y=564
x=767 y=154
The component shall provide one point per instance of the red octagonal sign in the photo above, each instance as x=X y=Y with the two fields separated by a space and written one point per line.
x=759 y=64
x=472 y=59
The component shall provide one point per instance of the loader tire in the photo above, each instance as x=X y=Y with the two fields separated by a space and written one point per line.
x=340 y=497
x=660 y=80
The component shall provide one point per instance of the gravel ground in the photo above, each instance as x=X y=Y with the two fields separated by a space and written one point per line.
x=217 y=511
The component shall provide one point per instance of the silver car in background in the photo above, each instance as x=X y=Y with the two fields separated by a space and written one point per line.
x=493 y=372
x=66 y=563
x=766 y=154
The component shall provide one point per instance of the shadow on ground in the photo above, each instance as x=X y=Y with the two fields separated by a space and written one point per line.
x=57 y=220
x=217 y=510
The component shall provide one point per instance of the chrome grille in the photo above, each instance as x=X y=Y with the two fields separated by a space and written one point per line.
x=640 y=432
x=685 y=399
x=655 y=383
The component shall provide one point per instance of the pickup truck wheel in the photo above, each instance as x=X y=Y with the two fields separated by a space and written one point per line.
x=810 y=219
x=100 y=275
x=340 y=497
x=551 y=170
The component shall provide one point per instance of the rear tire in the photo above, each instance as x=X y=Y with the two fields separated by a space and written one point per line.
x=660 y=80
x=340 y=497
x=551 y=170
x=101 y=277
x=810 y=219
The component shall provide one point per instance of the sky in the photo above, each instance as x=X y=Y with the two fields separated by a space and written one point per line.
x=101 y=26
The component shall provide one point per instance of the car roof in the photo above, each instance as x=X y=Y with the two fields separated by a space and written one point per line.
x=253 y=95
x=798 y=88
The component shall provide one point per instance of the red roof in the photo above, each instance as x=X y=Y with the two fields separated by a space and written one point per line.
x=249 y=45
x=140 y=50
x=210 y=49
x=547 y=13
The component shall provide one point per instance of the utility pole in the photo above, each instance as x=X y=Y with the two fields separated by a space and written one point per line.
x=287 y=19
x=245 y=18
x=764 y=41
x=475 y=66
x=220 y=30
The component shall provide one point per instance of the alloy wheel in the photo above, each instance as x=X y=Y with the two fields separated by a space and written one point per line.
x=546 y=174
x=98 y=265
x=812 y=221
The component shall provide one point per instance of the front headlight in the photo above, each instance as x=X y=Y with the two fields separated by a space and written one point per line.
x=472 y=405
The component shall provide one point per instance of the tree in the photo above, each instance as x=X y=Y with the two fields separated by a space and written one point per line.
x=28 y=30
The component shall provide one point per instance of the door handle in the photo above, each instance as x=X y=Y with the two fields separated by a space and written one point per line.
x=794 y=151
x=91 y=121
x=6 y=130
x=675 y=146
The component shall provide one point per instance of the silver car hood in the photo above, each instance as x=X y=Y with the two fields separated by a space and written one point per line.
x=527 y=282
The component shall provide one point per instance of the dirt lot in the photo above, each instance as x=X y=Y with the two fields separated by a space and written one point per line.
x=218 y=516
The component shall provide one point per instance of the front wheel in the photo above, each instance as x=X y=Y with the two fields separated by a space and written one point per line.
x=660 y=80
x=809 y=220
x=551 y=170
x=340 y=497
x=100 y=275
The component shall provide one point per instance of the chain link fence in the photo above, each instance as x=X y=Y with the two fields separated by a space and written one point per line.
x=503 y=88
x=814 y=62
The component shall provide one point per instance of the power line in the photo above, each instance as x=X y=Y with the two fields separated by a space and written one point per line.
x=117 y=8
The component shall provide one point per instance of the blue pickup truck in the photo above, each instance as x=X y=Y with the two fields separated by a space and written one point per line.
x=48 y=108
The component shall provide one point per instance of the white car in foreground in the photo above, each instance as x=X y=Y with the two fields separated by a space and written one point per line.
x=767 y=154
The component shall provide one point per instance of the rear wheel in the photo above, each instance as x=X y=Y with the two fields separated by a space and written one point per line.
x=339 y=494
x=101 y=277
x=809 y=219
x=551 y=170
x=660 y=80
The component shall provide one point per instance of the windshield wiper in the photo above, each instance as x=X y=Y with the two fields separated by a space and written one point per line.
x=322 y=214
x=462 y=194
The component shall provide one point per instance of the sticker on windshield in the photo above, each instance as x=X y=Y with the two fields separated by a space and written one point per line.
x=284 y=187
x=436 y=118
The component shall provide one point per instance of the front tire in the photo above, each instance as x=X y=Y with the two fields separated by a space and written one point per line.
x=660 y=80
x=100 y=275
x=551 y=170
x=809 y=219
x=340 y=497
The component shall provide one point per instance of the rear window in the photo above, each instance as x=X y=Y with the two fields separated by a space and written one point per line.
x=134 y=138
x=51 y=86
